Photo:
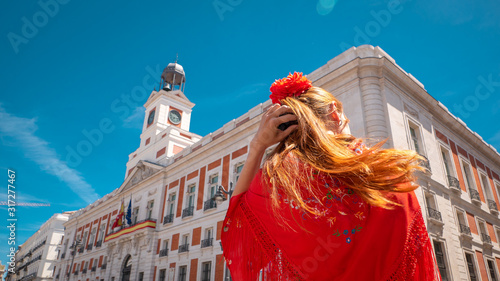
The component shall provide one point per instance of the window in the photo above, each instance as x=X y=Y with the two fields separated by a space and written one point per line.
x=190 y=195
x=205 y=274
x=485 y=185
x=163 y=274
x=227 y=274
x=135 y=215
x=171 y=204
x=149 y=210
x=415 y=139
x=165 y=244
x=462 y=222
x=440 y=258
x=445 y=154
x=214 y=181
x=84 y=241
x=237 y=171
x=483 y=233
x=471 y=266
x=491 y=270
x=432 y=211
x=207 y=242
x=467 y=175
x=182 y=273
x=141 y=276
x=101 y=233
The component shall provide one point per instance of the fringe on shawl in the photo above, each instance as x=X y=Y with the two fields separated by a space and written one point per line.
x=417 y=261
x=250 y=252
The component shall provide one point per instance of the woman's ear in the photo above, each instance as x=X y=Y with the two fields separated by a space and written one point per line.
x=334 y=112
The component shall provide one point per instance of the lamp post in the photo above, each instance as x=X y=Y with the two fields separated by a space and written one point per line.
x=77 y=243
x=219 y=196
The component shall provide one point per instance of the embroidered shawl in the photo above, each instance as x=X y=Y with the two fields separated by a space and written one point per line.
x=350 y=241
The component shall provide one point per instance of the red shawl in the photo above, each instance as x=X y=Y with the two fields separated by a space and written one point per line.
x=351 y=241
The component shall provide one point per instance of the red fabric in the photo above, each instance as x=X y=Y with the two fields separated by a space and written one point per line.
x=350 y=241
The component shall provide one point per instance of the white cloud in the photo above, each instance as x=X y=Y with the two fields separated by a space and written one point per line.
x=135 y=120
x=22 y=131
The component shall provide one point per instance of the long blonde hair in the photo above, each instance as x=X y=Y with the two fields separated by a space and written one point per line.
x=311 y=149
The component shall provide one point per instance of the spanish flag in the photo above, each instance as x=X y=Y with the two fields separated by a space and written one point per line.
x=119 y=217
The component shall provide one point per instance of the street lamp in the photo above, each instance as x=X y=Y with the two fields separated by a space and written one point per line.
x=76 y=244
x=219 y=196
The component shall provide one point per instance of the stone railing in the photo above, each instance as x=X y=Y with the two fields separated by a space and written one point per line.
x=474 y=195
x=434 y=214
x=465 y=229
x=492 y=205
x=453 y=182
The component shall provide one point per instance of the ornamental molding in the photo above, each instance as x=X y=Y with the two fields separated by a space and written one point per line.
x=408 y=109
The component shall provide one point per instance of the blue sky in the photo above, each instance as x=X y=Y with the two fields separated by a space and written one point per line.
x=64 y=64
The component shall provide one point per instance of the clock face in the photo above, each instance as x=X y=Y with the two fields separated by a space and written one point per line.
x=151 y=117
x=174 y=116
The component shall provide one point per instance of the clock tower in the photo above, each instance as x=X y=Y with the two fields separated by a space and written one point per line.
x=165 y=130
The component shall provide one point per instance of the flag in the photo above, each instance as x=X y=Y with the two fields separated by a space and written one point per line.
x=129 y=212
x=119 y=218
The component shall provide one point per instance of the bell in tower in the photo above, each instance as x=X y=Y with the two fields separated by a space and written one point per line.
x=173 y=78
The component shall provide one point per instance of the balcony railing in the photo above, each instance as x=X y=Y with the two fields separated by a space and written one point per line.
x=80 y=250
x=210 y=204
x=453 y=182
x=183 y=248
x=168 y=219
x=465 y=230
x=103 y=266
x=163 y=252
x=57 y=276
x=89 y=247
x=63 y=255
x=76 y=272
x=434 y=214
x=188 y=212
x=206 y=242
x=492 y=205
x=425 y=163
x=118 y=229
x=474 y=195
x=98 y=244
x=94 y=268
x=486 y=238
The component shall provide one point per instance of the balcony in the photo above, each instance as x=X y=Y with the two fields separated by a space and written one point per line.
x=474 y=196
x=168 y=219
x=493 y=206
x=164 y=253
x=486 y=240
x=80 y=250
x=210 y=204
x=89 y=247
x=63 y=255
x=94 y=268
x=103 y=266
x=454 y=184
x=188 y=212
x=84 y=271
x=465 y=232
x=435 y=216
x=183 y=248
x=98 y=244
x=57 y=276
x=206 y=242
x=425 y=164
x=76 y=272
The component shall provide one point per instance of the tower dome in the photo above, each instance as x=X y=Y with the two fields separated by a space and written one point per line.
x=173 y=77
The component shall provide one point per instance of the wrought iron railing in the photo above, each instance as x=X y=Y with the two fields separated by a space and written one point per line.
x=84 y=270
x=183 y=248
x=80 y=250
x=89 y=247
x=168 y=218
x=492 y=205
x=63 y=255
x=474 y=195
x=486 y=238
x=453 y=182
x=76 y=272
x=435 y=214
x=94 y=268
x=206 y=242
x=163 y=252
x=98 y=244
x=210 y=204
x=465 y=229
x=103 y=266
x=188 y=212
x=57 y=276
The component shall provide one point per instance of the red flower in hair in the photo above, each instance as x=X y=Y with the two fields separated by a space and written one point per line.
x=291 y=86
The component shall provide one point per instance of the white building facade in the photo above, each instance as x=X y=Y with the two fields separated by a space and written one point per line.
x=171 y=179
x=36 y=257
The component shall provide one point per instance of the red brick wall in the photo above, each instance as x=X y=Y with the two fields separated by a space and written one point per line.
x=225 y=172
x=193 y=270
x=441 y=136
x=219 y=268
x=239 y=152
x=196 y=236
x=476 y=176
x=214 y=164
x=472 y=223
x=175 y=241
x=161 y=152
x=491 y=232
x=219 y=229
x=192 y=175
x=482 y=267
x=201 y=189
x=180 y=199
x=457 y=165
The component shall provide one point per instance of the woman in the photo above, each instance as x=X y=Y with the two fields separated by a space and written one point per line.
x=323 y=206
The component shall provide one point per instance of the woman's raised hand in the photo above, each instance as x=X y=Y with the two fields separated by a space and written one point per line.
x=268 y=133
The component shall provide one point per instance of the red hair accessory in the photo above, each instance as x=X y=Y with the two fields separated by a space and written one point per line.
x=291 y=86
